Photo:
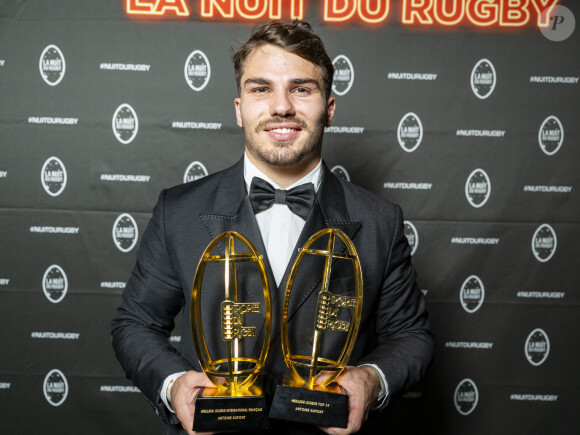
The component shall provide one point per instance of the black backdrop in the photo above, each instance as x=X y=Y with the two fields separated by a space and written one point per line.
x=473 y=130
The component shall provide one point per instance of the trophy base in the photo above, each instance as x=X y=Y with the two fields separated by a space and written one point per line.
x=322 y=408
x=220 y=413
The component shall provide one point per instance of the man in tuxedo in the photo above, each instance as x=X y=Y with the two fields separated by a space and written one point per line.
x=277 y=195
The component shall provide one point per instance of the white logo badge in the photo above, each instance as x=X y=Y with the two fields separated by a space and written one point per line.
x=551 y=135
x=52 y=65
x=194 y=171
x=340 y=172
x=410 y=132
x=477 y=188
x=197 y=70
x=472 y=294
x=483 y=78
x=125 y=124
x=412 y=235
x=55 y=387
x=537 y=347
x=466 y=397
x=544 y=243
x=53 y=176
x=343 y=75
x=125 y=232
x=54 y=284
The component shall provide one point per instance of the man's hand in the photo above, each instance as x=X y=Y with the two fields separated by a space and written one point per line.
x=362 y=386
x=184 y=391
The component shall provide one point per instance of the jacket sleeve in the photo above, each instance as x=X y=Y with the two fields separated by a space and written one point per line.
x=151 y=300
x=404 y=342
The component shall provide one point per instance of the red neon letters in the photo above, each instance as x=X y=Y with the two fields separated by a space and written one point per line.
x=157 y=7
x=371 y=11
x=482 y=13
x=504 y=13
x=251 y=9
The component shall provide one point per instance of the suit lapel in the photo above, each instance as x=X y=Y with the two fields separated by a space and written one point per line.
x=229 y=206
x=232 y=211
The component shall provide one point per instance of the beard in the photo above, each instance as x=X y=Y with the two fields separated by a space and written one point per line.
x=285 y=153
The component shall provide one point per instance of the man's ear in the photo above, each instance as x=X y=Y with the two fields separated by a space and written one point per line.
x=331 y=105
x=237 y=102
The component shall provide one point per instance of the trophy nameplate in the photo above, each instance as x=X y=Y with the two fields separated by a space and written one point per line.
x=237 y=401
x=301 y=397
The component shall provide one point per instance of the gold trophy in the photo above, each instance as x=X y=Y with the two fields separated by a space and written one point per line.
x=237 y=353
x=301 y=397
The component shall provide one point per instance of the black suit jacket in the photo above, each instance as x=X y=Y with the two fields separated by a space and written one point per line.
x=394 y=332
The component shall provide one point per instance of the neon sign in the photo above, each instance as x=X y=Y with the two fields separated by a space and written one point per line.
x=481 y=13
x=157 y=7
x=251 y=9
x=504 y=13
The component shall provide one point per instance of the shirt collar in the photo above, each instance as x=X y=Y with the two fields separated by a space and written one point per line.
x=250 y=171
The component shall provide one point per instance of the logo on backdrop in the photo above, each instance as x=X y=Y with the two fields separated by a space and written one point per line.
x=194 y=171
x=544 y=243
x=477 y=188
x=197 y=70
x=52 y=65
x=125 y=232
x=53 y=176
x=343 y=75
x=551 y=135
x=54 y=284
x=410 y=132
x=125 y=124
x=472 y=294
x=561 y=24
x=466 y=397
x=412 y=235
x=483 y=79
x=55 y=387
x=537 y=347
x=340 y=172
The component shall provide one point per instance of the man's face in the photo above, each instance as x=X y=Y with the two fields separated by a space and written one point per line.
x=282 y=107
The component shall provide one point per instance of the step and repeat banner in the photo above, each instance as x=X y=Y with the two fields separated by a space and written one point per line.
x=464 y=112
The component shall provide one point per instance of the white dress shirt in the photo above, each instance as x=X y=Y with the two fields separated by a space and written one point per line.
x=280 y=228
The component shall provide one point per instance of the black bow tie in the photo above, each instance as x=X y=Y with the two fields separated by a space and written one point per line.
x=298 y=199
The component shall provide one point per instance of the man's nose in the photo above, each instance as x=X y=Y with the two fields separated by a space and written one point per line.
x=281 y=105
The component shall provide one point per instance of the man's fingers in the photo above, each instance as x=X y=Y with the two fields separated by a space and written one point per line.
x=184 y=392
x=356 y=414
x=322 y=376
x=359 y=385
x=355 y=419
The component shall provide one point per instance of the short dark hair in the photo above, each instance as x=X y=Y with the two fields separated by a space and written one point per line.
x=297 y=38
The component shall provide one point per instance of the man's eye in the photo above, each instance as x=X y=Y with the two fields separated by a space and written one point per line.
x=259 y=90
x=302 y=90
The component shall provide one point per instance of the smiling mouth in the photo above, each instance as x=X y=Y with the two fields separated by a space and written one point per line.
x=283 y=134
x=280 y=125
x=283 y=130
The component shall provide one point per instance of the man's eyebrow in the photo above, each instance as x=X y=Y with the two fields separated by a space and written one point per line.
x=257 y=81
x=296 y=81
x=306 y=82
